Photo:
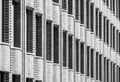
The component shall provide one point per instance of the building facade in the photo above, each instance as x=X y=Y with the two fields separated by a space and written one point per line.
x=59 y=40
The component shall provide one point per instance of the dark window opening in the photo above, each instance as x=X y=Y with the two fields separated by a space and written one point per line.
x=77 y=9
x=56 y=1
x=100 y=67
x=56 y=44
x=111 y=35
x=100 y=25
x=87 y=14
x=29 y=31
x=77 y=55
x=88 y=60
x=65 y=48
x=70 y=51
x=4 y=76
x=17 y=22
x=64 y=4
x=97 y=23
x=5 y=21
x=97 y=64
x=104 y=29
x=38 y=35
x=49 y=40
x=111 y=72
x=111 y=5
x=114 y=6
x=114 y=38
x=70 y=6
x=117 y=41
x=92 y=16
x=107 y=70
x=29 y=79
x=82 y=57
x=82 y=11
x=92 y=63
x=16 y=78
x=107 y=32
x=107 y=1
x=114 y=74
x=38 y=81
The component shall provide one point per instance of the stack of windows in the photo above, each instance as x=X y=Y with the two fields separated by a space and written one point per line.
x=111 y=5
x=114 y=37
x=17 y=22
x=64 y=48
x=77 y=55
x=111 y=37
x=16 y=78
x=49 y=40
x=38 y=35
x=104 y=29
x=56 y=44
x=70 y=51
x=5 y=21
x=77 y=9
x=29 y=31
x=82 y=57
x=92 y=17
x=82 y=11
x=117 y=42
x=4 y=76
x=64 y=6
x=114 y=75
x=107 y=71
x=70 y=6
x=114 y=6
x=111 y=72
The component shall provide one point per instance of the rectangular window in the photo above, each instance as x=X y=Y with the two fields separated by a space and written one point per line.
x=87 y=14
x=114 y=37
x=82 y=11
x=111 y=5
x=29 y=31
x=65 y=48
x=107 y=32
x=70 y=51
x=114 y=74
x=117 y=41
x=17 y=22
x=5 y=21
x=111 y=35
x=77 y=9
x=82 y=57
x=97 y=21
x=88 y=60
x=100 y=25
x=77 y=55
x=16 y=78
x=64 y=4
x=4 y=76
x=97 y=64
x=56 y=44
x=92 y=16
x=92 y=63
x=100 y=67
x=49 y=40
x=38 y=81
x=111 y=72
x=56 y=1
x=104 y=29
x=29 y=79
x=107 y=2
x=107 y=70
x=70 y=6
x=38 y=35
